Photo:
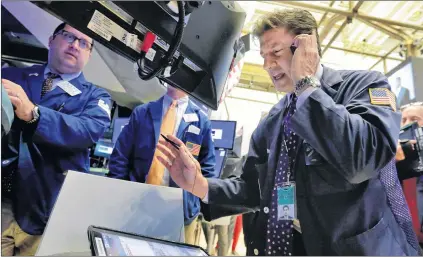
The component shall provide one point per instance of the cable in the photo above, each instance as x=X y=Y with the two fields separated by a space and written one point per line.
x=165 y=61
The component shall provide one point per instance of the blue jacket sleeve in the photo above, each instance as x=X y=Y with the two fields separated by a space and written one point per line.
x=206 y=156
x=119 y=165
x=358 y=138
x=236 y=195
x=74 y=132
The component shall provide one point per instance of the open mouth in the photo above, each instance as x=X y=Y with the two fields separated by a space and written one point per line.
x=278 y=76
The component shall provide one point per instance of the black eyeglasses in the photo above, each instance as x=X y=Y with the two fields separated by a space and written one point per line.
x=70 y=38
x=411 y=104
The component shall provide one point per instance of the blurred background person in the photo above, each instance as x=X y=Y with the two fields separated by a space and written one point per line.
x=407 y=163
x=134 y=155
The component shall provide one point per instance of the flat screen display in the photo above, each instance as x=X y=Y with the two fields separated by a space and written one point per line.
x=402 y=84
x=223 y=133
x=220 y=155
x=112 y=244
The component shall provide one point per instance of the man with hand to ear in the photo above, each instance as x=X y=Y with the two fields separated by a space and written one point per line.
x=326 y=150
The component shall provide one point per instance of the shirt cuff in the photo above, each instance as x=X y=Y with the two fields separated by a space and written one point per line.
x=304 y=95
x=206 y=198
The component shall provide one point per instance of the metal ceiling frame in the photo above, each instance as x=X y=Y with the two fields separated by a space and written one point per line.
x=377 y=23
x=383 y=58
x=364 y=53
x=344 y=24
x=326 y=14
x=391 y=28
x=345 y=13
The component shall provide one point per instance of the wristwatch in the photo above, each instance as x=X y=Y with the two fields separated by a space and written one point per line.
x=304 y=82
x=35 y=115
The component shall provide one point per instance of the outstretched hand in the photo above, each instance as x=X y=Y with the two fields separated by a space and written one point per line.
x=184 y=169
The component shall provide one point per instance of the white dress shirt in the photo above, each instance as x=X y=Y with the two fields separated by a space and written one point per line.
x=63 y=77
x=182 y=104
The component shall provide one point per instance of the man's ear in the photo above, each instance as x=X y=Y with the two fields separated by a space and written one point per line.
x=49 y=41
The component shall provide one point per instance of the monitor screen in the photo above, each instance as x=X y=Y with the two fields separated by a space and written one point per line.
x=223 y=133
x=112 y=243
x=220 y=155
x=402 y=83
x=119 y=124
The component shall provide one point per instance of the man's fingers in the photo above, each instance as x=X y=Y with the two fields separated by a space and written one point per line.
x=308 y=41
x=187 y=158
x=164 y=161
x=164 y=150
x=168 y=146
x=15 y=101
x=299 y=40
x=10 y=91
x=175 y=140
x=8 y=84
x=413 y=141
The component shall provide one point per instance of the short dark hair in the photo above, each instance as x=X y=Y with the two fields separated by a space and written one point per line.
x=62 y=27
x=59 y=28
x=296 y=21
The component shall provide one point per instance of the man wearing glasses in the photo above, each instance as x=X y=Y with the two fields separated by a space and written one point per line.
x=58 y=116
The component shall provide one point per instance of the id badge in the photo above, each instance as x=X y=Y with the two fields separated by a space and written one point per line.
x=286 y=202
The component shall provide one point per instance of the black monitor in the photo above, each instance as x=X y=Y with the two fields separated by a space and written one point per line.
x=223 y=133
x=119 y=124
x=220 y=155
x=210 y=42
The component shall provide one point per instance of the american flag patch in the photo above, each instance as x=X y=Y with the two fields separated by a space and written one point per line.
x=383 y=96
x=194 y=149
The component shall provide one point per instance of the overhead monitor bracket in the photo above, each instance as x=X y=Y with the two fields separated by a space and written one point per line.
x=200 y=65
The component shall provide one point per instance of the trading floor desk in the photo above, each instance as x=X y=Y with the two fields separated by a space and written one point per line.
x=86 y=200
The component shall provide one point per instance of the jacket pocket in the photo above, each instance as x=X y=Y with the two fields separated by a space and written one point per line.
x=323 y=178
x=378 y=240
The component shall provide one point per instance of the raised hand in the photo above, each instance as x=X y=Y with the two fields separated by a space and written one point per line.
x=182 y=166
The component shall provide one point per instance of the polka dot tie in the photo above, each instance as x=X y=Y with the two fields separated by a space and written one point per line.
x=396 y=200
x=48 y=83
x=280 y=232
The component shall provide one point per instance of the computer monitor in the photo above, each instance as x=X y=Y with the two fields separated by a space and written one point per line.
x=223 y=133
x=220 y=155
x=402 y=83
x=204 y=57
x=118 y=125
